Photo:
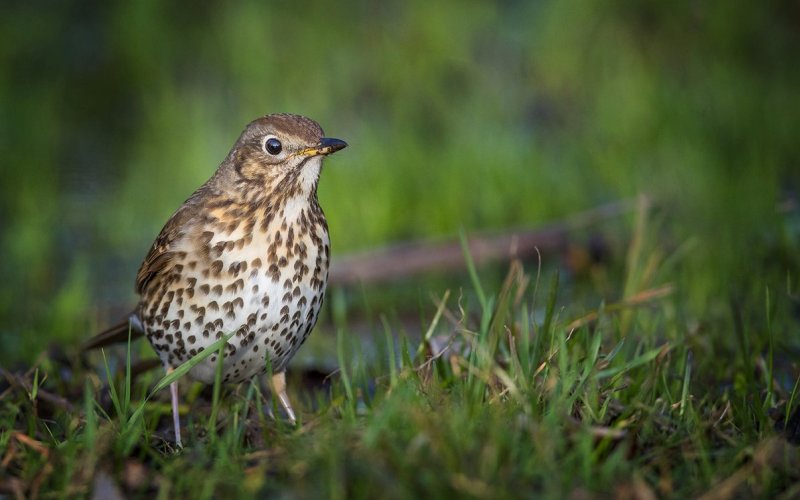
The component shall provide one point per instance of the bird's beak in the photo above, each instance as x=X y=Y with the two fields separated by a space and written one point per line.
x=326 y=146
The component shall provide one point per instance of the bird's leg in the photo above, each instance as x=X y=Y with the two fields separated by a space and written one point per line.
x=176 y=419
x=279 y=389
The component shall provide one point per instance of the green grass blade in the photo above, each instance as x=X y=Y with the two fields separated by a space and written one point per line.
x=634 y=363
x=790 y=403
x=126 y=396
x=212 y=419
x=343 y=367
x=551 y=307
x=112 y=389
x=90 y=427
x=432 y=328
x=687 y=375
x=768 y=400
x=473 y=274
x=613 y=353
x=392 y=360
x=191 y=363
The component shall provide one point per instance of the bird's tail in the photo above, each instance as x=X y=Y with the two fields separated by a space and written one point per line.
x=121 y=332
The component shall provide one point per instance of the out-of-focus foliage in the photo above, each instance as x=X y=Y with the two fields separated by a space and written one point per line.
x=458 y=114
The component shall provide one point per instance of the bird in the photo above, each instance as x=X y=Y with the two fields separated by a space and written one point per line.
x=246 y=255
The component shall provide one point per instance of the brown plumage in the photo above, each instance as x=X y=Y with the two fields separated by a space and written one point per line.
x=248 y=253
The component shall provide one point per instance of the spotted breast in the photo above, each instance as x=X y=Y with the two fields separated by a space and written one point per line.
x=263 y=280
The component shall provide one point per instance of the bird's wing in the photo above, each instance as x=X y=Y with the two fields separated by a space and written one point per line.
x=163 y=251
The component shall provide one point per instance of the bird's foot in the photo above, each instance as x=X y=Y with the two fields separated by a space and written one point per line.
x=279 y=389
x=176 y=418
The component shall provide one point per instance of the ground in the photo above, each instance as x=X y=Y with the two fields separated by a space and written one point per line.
x=508 y=391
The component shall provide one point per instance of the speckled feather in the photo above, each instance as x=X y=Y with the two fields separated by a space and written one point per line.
x=248 y=252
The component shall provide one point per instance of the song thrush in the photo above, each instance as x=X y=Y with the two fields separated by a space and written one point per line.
x=247 y=253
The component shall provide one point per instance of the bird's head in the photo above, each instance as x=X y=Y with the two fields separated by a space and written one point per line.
x=281 y=149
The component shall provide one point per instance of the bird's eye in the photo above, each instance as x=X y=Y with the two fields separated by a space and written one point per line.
x=272 y=146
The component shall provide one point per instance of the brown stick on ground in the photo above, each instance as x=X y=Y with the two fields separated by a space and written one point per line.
x=19 y=383
x=406 y=259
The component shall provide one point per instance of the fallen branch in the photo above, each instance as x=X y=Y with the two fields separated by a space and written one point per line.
x=17 y=382
x=407 y=259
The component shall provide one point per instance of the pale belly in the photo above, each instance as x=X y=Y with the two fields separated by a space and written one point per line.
x=269 y=294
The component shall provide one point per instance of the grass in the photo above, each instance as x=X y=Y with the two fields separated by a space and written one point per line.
x=509 y=391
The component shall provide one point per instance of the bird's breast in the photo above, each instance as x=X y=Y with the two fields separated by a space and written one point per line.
x=262 y=277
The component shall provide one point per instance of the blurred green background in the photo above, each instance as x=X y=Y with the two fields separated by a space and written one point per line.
x=473 y=115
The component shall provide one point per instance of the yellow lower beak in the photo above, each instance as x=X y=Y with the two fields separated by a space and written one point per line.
x=326 y=146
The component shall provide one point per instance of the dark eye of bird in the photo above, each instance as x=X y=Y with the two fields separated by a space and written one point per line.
x=273 y=146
